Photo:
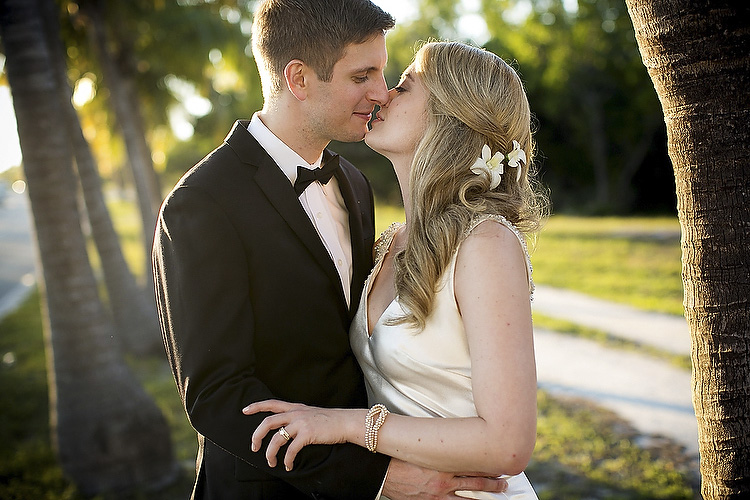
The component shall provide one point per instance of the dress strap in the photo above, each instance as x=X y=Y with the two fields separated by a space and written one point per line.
x=384 y=242
x=521 y=239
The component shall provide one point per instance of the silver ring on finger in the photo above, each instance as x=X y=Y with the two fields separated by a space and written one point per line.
x=284 y=433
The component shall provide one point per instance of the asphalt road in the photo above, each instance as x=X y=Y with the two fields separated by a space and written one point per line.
x=17 y=251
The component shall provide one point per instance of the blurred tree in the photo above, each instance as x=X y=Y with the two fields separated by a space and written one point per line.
x=133 y=310
x=598 y=118
x=143 y=55
x=109 y=435
x=116 y=61
x=698 y=56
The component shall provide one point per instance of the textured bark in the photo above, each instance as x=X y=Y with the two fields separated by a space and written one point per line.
x=108 y=433
x=120 y=82
x=698 y=56
x=133 y=309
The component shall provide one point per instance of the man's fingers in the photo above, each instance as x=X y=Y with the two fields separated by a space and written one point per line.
x=472 y=483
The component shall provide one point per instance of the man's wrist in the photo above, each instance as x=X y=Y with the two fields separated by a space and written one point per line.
x=385 y=478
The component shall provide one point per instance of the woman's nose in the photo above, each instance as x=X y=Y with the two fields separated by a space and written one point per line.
x=391 y=94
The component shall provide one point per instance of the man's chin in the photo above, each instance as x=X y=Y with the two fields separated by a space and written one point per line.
x=351 y=137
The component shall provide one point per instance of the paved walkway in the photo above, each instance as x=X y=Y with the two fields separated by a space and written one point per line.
x=653 y=395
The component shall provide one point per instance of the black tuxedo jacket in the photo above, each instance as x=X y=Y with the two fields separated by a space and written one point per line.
x=251 y=308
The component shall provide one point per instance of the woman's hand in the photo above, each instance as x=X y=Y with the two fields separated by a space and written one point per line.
x=304 y=425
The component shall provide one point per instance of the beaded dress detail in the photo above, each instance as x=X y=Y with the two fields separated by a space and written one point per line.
x=425 y=373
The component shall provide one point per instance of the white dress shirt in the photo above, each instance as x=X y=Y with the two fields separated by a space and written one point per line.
x=323 y=204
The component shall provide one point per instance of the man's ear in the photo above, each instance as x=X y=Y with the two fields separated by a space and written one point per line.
x=296 y=75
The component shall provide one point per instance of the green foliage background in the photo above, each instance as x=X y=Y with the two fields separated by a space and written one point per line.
x=601 y=138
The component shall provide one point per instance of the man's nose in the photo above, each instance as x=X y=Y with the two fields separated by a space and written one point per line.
x=379 y=94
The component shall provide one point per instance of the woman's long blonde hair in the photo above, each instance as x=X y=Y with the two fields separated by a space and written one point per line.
x=475 y=98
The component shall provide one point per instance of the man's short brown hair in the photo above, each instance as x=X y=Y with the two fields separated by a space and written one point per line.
x=313 y=31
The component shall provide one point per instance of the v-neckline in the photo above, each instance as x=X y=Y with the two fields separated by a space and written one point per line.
x=371 y=282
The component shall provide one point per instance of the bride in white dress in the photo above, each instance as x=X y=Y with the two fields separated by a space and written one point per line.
x=444 y=326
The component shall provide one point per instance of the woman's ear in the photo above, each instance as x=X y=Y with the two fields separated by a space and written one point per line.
x=296 y=75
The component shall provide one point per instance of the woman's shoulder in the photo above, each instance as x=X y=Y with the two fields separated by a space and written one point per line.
x=482 y=225
x=493 y=235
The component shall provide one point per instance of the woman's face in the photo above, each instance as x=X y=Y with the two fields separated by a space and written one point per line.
x=401 y=122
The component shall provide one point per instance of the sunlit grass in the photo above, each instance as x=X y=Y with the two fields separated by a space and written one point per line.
x=583 y=451
x=385 y=215
x=633 y=261
x=127 y=224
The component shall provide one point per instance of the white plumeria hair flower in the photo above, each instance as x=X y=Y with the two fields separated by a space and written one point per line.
x=492 y=165
x=515 y=157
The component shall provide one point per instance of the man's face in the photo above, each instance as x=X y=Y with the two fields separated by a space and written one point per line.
x=340 y=109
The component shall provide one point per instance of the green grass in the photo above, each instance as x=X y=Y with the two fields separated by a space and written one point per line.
x=634 y=261
x=28 y=468
x=385 y=215
x=583 y=451
x=127 y=223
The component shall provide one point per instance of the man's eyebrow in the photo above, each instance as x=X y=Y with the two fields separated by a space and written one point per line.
x=365 y=70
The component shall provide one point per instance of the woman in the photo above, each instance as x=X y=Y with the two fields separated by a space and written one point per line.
x=444 y=325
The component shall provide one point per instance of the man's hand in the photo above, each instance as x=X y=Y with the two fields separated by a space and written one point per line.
x=410 y=482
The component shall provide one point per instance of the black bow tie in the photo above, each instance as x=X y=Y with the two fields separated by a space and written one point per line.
x=306 y=176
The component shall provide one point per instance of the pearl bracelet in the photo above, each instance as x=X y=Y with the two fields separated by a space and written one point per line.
x=373 y=421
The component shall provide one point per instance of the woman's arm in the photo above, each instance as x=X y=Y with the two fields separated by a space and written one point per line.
x=491 y=287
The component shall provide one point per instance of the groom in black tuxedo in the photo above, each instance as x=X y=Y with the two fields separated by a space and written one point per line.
x=256 y=283
x=260 y=254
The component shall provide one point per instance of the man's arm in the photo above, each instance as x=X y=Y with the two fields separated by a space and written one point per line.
x=409 y=482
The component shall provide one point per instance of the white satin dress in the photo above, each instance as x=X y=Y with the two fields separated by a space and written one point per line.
x=425 y=374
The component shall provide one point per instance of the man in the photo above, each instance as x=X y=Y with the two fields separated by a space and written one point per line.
x=257 y=275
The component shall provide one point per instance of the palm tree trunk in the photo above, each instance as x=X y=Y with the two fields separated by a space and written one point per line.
x=133 y=309
x=109 y=435
x=698 y=56
x=125 y=103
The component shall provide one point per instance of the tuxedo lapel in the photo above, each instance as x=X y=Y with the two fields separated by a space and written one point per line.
x=360 y=267
x=280 y=193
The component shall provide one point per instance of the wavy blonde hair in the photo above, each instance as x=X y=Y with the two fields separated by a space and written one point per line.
x=475 y=98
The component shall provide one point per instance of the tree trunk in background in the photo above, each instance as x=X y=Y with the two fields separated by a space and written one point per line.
x=108 y=433
x=133 y=309
x=698 y=56
x=119 y=80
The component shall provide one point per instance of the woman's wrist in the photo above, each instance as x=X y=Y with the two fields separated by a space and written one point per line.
x=354 y=428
